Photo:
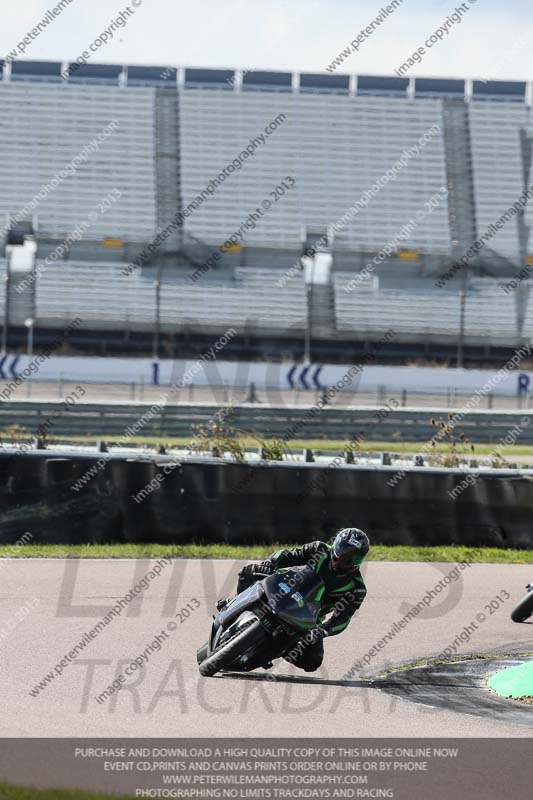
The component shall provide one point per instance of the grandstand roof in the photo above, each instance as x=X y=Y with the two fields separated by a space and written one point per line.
x=142 y=75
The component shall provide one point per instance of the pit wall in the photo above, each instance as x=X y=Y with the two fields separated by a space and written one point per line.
x=207 y=371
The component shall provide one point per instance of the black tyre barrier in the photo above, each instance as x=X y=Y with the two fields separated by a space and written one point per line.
x=61 y=497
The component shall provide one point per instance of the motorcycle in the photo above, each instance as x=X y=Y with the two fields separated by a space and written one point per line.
x=524 y=609
x=263 y=623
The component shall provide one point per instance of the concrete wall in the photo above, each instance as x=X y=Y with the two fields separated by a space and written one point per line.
x=275 y=375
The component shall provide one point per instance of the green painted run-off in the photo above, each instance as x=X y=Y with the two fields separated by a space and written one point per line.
x=514 y=681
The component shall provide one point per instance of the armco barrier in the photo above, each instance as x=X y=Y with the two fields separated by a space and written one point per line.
x=61 y=497
x=285 y=422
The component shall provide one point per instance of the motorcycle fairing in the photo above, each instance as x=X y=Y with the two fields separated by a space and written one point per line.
x=300 y=608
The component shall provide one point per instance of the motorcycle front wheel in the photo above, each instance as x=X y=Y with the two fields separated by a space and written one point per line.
x=243 y=639
x=201 y=654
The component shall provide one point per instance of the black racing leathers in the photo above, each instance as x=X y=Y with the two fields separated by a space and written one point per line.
x=343 y=594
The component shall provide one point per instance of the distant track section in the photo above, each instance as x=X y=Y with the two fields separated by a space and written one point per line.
x=318 y=421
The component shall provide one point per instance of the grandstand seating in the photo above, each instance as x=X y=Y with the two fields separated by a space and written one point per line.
x=336 y=148
x=105 y=298
x=498 y=167
x=336 y=135
x=490 y=313
x=419 y=311
x=252 y=301
x=335 y=142
x=45 y=126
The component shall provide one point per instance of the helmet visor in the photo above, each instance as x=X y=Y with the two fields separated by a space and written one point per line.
x=346 y=563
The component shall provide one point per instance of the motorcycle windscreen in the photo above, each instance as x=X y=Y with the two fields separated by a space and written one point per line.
x=242 y=602
x=294 y=596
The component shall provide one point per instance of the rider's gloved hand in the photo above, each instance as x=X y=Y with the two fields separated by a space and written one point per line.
x=265 y=567
x=249 y=572
x=246 y=575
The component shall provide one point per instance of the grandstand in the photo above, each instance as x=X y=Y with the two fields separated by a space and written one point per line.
x=111 y=300
x=170 y=143
x=46 y=126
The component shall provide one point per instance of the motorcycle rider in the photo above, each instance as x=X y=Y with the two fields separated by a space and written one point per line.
x=337 y=564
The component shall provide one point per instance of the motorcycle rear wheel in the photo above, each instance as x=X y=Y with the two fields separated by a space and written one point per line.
x=225 y=655
x=524 y=609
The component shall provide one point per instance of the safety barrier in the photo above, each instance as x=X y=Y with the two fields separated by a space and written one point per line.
x=373 y=423
x=65 y=497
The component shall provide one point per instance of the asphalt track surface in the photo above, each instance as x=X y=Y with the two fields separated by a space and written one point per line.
x=169 y=698
x=460 y=685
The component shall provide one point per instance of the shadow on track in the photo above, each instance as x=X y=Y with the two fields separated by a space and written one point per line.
x=268 y=677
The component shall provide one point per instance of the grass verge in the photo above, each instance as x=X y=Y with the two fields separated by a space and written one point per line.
x=488 y=555
x=328 y=445
x=9 y=792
